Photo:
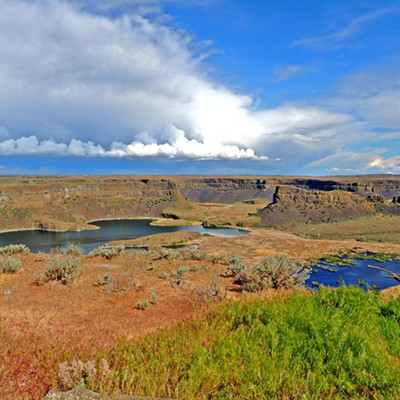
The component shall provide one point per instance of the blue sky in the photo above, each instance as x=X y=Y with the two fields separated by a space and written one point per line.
x=199 y=87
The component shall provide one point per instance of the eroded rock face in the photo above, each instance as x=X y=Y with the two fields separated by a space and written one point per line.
x=68 y=202
x=376 y=198
x=293 y=204
x=80 y=393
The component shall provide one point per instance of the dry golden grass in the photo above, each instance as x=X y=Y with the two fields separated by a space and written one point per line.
x=41 y=326
x=240 y=213
x=161 y=239
x=372 y=228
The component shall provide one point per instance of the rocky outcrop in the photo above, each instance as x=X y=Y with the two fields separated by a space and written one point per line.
x=363 y=186
x=226 y=190
x=292 y=204
x=80 y=393
x=67 y=202
x=63 y=203
x=169 y=216
x=376 y=198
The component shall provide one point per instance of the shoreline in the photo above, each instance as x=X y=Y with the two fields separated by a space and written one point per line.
x=156 y=221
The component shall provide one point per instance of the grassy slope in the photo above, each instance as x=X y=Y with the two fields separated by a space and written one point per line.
x=334 y=344
x=372 y=228
x=219 y=214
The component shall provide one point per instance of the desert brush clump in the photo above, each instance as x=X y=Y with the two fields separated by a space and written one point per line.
x=73 y=250
x=113 y=284
x=180 y=272
x=143 y=304
x=167 y=254
x=210 y=292
x=194 y=254
x=333 y=344
x=65 y=270
x=275 y=272
x=10 y=265
x=154 y=298
x=12 y=249
x=107 y=252
x=109 y=283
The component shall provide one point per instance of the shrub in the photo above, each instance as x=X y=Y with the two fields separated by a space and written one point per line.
x=10 y=265
x=154 y=298
x=111 y=284
x=142 y=304
x=194 y=254
x=180 y=272
x=210 y=291
x=274 y=272
x=108 y=282
x=166 y=276
x=73 y=250
x=234 y=260
x=167 y=254
x=14 y=249
x=107 y=252
x=61 y=269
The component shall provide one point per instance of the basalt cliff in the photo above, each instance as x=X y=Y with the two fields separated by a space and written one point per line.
x=68 y=202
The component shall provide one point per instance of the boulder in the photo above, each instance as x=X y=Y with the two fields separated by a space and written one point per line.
x=80 y=393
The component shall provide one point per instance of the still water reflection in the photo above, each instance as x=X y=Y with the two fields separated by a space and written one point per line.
x=40 y=241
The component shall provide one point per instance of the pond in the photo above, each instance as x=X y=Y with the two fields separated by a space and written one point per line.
x=110 y=230
x=359 y=274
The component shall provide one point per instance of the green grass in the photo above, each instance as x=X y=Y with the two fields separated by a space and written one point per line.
x=333 y=344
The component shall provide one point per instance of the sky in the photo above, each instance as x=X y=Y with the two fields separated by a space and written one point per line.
x=200 y=87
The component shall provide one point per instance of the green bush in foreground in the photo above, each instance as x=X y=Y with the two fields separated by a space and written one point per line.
x=10 y=265
x=12 y=249
x=107 y=252
x=276 y=272
x=65 y=270
x=73 y=250
x=334 y=344
x=143 y=304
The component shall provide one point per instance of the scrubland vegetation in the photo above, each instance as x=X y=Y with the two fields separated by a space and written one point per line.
x=66 y=270
x=283 y=342
x=107 y=252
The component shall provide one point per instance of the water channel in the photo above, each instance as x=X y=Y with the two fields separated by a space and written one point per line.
x=357 y=275
x=110 y=230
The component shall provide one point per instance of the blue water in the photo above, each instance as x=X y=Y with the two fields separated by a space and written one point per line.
x=40 y=241
x=350 y=275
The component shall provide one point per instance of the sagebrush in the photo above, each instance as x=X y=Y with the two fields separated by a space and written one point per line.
x=10 y=265
x=12 y=249
x=65 y=270
x=107 y=252
x=275 y=272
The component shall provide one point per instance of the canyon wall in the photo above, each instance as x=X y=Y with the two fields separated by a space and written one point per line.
x=68 y=202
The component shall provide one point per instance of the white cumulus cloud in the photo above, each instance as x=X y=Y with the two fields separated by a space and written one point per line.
x=179 y=148
x=77 y=83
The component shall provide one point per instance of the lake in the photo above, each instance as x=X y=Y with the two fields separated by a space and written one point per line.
x=351 y=274
x=110 y=230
